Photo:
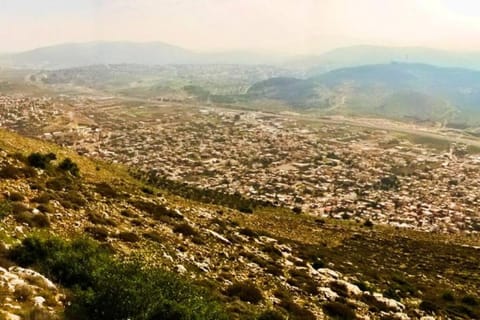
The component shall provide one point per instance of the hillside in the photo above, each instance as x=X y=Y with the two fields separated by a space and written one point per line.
x=362 y=55
x=395 y=90
x=267 y=264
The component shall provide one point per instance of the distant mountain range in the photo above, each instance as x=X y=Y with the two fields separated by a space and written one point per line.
x=366 y=55
x=395 y=90
x=72 y=55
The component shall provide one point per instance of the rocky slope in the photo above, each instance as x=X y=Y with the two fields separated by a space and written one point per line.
x=269 y=264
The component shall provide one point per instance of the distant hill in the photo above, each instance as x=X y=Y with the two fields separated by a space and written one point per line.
x=363 y=55
x=72 y=55
x=395 y=90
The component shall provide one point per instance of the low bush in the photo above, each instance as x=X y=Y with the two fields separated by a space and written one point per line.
x=44 y=197
x=96 y=218
x=340 y=311
x=470 y=300
x=74 y=198
x=98 y=232
x=46 y=208
x=245 y=291
x=61 y=183
x=448 y=296
x=428 y=306
x=106 y=190
x=11 y=172
x=295 y=311
x=39 y=160
x=16 y=196
x=104 y=288
x=5 y=208
x=128 y=236
x=185 y=229
x=68 y=165
x=302 y=280
x=154 y=236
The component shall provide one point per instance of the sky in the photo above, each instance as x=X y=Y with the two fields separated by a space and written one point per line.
x=281 y=26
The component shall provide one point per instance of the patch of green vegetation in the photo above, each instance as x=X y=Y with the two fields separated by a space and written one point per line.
x=69 y=166
x=39 y=160
x=105 y=288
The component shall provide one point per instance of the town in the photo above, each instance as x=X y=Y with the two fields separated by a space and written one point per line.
x=324 y=170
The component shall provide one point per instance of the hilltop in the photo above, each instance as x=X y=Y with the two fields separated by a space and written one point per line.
x=355 y=56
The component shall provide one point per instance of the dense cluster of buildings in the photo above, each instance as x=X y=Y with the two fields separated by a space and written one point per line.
x=324 y=169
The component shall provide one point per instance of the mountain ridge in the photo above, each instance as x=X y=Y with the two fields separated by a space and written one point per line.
x=71 y=55
x=369 y=89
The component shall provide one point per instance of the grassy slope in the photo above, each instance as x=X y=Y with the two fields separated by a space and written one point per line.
x=426 y=265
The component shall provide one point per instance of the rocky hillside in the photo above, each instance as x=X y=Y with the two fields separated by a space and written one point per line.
x=82 y=239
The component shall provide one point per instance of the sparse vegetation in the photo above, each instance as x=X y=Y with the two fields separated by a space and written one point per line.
x=339 y=311
x=39 y=160
x=69 y=166
x=245 y=291
x=108 y=289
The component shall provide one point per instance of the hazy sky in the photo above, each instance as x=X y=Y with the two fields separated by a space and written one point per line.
x=289 y=26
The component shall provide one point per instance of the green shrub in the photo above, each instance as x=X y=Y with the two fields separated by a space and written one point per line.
x=75 y=197
x=128 y=237
x=11 y=172
x=46 y=208
x=106 y=190
x=44 y=198
x=69 y=166
x=248 y=232
x=245 y=291
x=302 y=280
x=34 y=220
x=39 y=160
x=61 y=183
x=429 y=306
x=185 y=229
x=154 y=236
x=16 y=196
x=245 y=209
x=104 y=288
x=96 y=218
x=127 y=291
x=18 y=207
x=470 y=300
x=147 y=190
x=128 y=213
x=70 y=263
x=295 y=311
x=368 y=223
x=5 y=208
x=448 y=296
x=337 y=310
x=98 y=232
x=318 y=263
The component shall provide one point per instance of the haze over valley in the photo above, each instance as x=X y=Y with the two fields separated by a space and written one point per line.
x=239 y=160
